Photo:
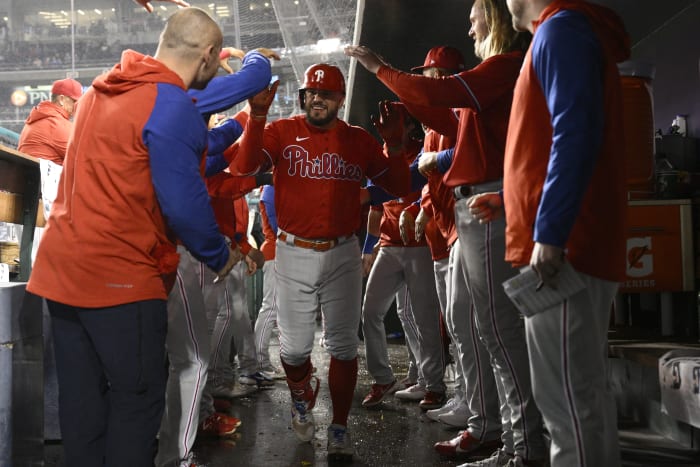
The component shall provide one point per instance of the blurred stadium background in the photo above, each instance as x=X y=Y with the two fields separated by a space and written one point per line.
x=45 y=40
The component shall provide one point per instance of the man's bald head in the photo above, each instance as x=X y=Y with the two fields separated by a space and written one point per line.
x=188 y=31
x=191 y=38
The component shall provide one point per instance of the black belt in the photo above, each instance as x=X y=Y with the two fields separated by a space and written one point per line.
x=466 y=191
x=463 y=191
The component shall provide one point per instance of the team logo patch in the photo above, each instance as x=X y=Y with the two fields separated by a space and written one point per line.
x=324 y=166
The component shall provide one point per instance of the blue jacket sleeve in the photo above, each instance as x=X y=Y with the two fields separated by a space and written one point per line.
x=218 y=140
x=223 y=136
x=377 y=194
x=215 y=163
x=176 y=138
x=444 y=160
x=567 y=60
x=268 y=199
x=223 y=92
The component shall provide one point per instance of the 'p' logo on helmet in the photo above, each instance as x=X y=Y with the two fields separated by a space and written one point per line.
x=323 y=76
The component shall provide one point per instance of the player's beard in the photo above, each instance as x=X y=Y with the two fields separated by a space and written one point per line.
x=330 y=116
x=482 y=47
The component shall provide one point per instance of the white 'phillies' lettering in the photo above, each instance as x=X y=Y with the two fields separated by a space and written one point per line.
x=319 y=75
x=328 y=166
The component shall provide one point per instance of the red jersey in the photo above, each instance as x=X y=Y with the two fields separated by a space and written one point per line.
x=45 y=133
x=484 y=95
x=389 y=234
x=437 y=242
x=268 y=247
x=440 y=202
x=318 y=172
x=227 y=195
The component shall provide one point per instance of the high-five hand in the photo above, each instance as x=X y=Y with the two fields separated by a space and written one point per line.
x=367 y=58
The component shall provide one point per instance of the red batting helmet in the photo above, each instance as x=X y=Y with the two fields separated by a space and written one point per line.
x=322 y=76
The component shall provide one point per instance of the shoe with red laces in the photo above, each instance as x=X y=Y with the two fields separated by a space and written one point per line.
x=218 y=425
x=433 y=400
x=464 y=444
x=379 y=392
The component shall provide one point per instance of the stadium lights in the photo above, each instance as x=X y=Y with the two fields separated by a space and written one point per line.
x=326 y=46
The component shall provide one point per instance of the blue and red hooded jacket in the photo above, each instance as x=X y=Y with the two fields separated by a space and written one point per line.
x=564 y=182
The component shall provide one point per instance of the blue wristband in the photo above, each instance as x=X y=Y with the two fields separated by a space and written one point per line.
x=370 y=241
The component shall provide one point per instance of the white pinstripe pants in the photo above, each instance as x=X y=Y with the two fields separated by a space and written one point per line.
x=500 y=327
x=187 y=344
x=568 y=346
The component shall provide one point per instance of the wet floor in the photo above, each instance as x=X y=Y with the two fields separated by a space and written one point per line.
x=396 y=434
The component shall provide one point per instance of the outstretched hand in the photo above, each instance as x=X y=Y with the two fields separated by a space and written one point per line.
x=261 y=102
x=234 y=256
x=147 y=4
x=269 y=53
x=391 y=123
x=367 y=58
x=225 y=54
x=231 y=52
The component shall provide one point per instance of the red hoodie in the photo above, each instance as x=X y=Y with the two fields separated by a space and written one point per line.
x=107 y=243
x=595 y=244
x=45 y=133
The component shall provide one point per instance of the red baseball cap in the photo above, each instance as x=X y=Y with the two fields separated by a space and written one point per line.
x=443 y=56
x=67 y=87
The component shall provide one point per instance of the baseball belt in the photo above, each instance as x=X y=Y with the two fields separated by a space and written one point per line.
x=316 y=245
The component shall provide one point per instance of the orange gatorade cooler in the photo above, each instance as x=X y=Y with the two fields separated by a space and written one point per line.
x=639 y=127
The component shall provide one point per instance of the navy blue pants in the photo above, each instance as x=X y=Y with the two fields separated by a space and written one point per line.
x=111 y=379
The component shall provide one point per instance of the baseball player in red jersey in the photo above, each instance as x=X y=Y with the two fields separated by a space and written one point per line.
x=565 y=201
x=319 y=164
x=484 y=95
x=397 y=264
x=476 y=405
x=400 y=263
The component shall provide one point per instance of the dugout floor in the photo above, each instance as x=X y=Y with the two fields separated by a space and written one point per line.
x=397 y=434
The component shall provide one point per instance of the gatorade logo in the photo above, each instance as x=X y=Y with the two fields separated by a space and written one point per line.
x=640 y=261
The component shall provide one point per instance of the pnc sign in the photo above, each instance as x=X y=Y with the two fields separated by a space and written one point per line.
x=30 y=96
